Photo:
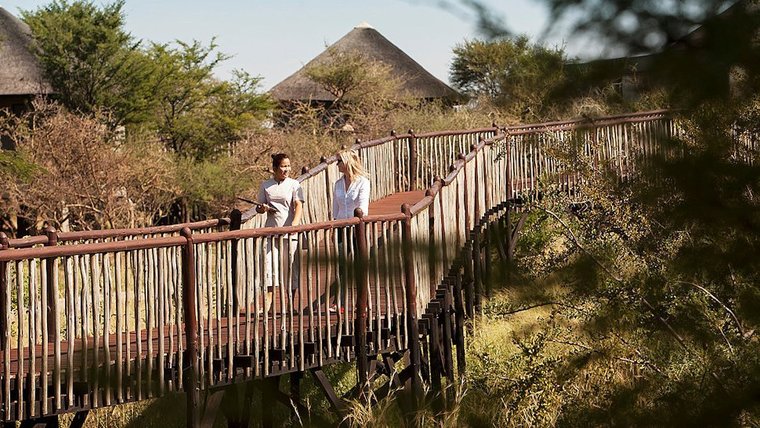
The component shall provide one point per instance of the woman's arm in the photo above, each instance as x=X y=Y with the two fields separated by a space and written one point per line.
x=262 y=199
x=363 y=196
x=335 y=200
x=297 y=204
x=297 y=211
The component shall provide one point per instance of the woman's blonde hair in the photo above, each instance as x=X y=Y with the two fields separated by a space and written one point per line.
x=354 y=167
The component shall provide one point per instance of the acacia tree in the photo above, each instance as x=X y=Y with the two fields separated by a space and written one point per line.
x=511 y=73
x=81 y=176
x=91 y=61
x=98 y=68
x=365 y=90
x=196 y=115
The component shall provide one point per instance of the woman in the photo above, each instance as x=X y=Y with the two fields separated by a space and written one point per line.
x=281 y=198
x=350 y=192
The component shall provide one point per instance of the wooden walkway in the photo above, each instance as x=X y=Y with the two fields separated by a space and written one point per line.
x=160 y=301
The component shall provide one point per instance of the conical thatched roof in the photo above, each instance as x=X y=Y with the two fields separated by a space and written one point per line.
x=20 y=73
x=368 y=42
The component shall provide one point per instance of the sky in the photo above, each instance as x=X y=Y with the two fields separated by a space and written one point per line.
x=275 y=38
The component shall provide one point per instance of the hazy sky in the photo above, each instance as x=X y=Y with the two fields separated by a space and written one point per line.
x=275 y=38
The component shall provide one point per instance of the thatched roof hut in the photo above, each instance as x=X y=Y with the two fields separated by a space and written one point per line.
x=368 y=42
x=20 y=73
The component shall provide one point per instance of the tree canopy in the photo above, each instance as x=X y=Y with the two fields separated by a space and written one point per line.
x=511 y=73
x=97 y=67
x=91 y=61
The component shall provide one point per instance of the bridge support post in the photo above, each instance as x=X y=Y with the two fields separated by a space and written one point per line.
x=360 y=328
x=271 y=388
x=4 y=308
x=448 y=342
x=192 y=388
x=235 y=221
x=467 y=279
x=477 y=277
x=411 y=299
x=459 y=311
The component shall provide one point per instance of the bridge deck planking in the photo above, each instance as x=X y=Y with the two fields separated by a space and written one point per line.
x=391 y=204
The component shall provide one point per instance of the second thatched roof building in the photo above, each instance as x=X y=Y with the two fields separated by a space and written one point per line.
x=416 y=82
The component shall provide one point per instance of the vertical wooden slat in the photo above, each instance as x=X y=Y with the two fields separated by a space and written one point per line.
x=128 y=268
x=120 y=280
x=229 y=262
x=163 y=285
x=107 y=294
x=95 y=275
x=191 y=328
x=207 y=264
x=139 y=283
x=20 y=413
x=35 y=310
x=5 y=318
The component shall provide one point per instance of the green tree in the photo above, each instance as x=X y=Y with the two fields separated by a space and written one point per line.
x=91 y=61
x=511 y=73
x=197 y=115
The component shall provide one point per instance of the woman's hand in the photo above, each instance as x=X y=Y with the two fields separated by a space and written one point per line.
x=264 y=208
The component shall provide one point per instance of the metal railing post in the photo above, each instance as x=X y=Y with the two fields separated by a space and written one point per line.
x=192 y=388
x=360 y=322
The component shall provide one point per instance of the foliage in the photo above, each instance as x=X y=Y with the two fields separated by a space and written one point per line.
x=195 y=114
x=210 y=184
x=92 y=63
x=365 y=93
x=658 y=278
x=82 y=175
x=510 y=73
x=98 y=69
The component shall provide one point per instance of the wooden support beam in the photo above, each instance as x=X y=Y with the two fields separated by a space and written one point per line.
x=211 y=408
x=295 y=387
x=411 y=298
x=459 y=311
x=79 y=419
x=337 y=404
x=238 y=412
x=271 y=388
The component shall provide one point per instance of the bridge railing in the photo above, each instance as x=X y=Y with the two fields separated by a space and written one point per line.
x=53 y=237
x=89 y=325
x=92 y=324
x=554 y=152
x=398 y=163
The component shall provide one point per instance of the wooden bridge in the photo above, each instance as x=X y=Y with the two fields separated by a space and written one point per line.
x=93 y=319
